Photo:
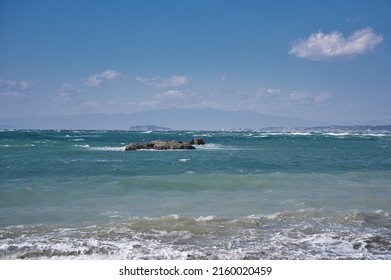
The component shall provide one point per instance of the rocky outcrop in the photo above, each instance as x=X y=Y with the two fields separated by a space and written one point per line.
x=197 y=141
x=164 y=145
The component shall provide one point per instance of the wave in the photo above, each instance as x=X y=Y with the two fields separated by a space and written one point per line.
x=304 y=234
x=327 y=131
x=101 y=148
x=353 y=134
x=316 y=134
x=107 y=148
x=211 y=146
x=217 y=146
x=82 y=146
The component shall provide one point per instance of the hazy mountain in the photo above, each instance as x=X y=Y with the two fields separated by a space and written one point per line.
x=178 y=119
x=148 y=128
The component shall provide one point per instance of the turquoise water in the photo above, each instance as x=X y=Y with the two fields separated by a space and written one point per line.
x=320 y=193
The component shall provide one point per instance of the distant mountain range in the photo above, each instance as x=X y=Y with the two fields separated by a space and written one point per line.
x=176 y=119
x=148 y=128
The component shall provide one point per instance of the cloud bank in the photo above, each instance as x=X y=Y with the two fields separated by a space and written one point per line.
x=320 y=46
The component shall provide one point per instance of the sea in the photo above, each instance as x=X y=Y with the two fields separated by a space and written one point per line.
x=277 y=194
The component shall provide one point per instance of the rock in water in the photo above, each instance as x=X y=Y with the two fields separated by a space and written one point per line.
x=171 y=145
x=138 y=146
x=161 y=145
x=197 y=141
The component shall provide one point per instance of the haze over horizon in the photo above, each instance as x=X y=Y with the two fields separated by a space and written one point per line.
x=324 y=62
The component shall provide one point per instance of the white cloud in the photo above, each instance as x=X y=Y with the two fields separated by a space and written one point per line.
x=62 y=97
x=26 y=84
x=107 y=75
x=171 y=94
x=112 y=103
x=320 y=46
x=322 y=97
x=93 y=81
x=159 y=82
x=299 y=97
x=14 y=94
x=268 y=92
x=92 y=104
x=8 y=84
x=176 y=81
x=67 y=93
x=141 y=79
x=15 y=89
x=19 y=85
x=66 y=86
x=167 y=99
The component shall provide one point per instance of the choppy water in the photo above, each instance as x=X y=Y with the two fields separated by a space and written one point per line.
x=276 y=194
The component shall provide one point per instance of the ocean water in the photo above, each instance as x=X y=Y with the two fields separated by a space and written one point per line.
x=320 y=193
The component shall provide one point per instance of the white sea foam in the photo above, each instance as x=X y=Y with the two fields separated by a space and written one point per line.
x=339 y=134
x=285 y=235
x=202 y=135
x=206 y=219
x=102 y=148
x=212 y=146
x=29 y=145
x=326 y=131
x=106 y=148
x=166 y=217
x=83 y=146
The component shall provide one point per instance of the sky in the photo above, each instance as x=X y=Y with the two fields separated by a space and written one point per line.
x=317 y=60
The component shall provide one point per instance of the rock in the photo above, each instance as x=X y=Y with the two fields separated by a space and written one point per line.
x=138 y=146
x=159 y=145
x=197 y=141
x=171 y=145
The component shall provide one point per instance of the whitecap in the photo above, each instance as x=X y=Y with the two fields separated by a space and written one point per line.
x=83 y=146
x=202 y=135
x=210 y=146
x=106 y=148
x=206 y=219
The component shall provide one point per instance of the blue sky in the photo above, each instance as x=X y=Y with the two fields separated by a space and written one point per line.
x=318 y=60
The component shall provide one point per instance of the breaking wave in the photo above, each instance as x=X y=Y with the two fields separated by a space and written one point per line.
x=305 y=234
